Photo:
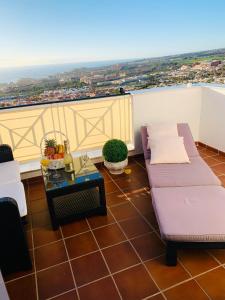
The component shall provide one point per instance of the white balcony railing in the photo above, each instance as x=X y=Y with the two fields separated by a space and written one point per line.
x=87 y=124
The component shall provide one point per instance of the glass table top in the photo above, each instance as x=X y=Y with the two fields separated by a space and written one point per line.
x=83 y=172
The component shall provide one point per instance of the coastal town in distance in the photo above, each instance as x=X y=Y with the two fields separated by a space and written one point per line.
x=82 y=83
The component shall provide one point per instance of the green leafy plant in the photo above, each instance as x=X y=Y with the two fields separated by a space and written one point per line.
x=115 y=151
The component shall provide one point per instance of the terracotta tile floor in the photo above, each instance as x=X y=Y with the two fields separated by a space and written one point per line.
x=120 y=256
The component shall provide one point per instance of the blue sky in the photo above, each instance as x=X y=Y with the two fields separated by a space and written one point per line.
x=58 y=31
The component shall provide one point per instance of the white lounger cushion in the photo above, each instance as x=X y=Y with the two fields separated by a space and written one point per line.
x=190 y=213
x=15 y=190
x=9 y=172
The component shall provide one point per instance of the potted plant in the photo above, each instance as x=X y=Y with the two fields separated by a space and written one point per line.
x=115 y=156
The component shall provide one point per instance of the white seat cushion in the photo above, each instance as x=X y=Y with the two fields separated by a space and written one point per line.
x=16 y=191
x=190 y=213
x=9 y=172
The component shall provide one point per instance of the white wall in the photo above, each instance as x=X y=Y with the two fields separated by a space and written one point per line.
x=176 y=104
x=212 y=124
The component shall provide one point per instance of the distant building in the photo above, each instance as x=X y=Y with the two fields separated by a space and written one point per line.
x=215 y=63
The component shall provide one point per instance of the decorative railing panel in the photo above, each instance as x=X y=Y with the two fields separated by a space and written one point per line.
x=87 y=124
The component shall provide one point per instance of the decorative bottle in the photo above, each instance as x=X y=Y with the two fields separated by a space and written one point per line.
x=68 y=159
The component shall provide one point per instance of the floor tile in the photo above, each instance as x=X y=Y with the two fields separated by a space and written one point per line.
x=186 y=291
x=222 y=179
x=45 y=235
x=89 y=268
x=108 y=235
x=38 y=206
x=81 y=244
x=143 y=203
x=49 y=255
x=134 y=227
x=36 y=193
x=130 y=182
x=124 y=211
x=157 y=297
x=22 y=289
x=106 y=176
x=41 y=219
x=72 y=295
x=219 y=169
x=221 y=158
x=210 y=152
x=196 y=261
x=54 y=281
x=219 y=254
x=148 y=246
x=118 y=253
x=136 y=193
x=135 y=283
x=120 y=256
x=166 y=276
x=213 y=283
x=74 y=228
x=110 y=187
x=35 y=180
x=102 y=289
x=98 y=221
x=211 y=161
x=203 y=154
x=151 y=218
x=116 y=198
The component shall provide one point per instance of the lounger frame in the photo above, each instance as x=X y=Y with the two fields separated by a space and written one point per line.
x=173 y=246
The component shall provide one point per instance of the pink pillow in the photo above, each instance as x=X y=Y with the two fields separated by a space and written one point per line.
x=156 y=130
x=168 y=150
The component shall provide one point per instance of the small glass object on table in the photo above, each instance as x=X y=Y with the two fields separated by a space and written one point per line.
x=45 y=163
x=84 y=158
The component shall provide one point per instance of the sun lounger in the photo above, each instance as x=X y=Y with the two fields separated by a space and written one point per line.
x=188 y=200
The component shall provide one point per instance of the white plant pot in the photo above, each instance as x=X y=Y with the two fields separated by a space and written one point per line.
x=116 y=168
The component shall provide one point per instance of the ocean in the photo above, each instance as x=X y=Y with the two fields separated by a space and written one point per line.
x=36 y=72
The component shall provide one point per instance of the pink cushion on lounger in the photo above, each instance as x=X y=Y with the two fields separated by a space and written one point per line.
x=183 y=130
x=190 y=213
x=168 y=175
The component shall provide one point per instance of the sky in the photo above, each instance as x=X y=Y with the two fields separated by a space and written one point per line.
x=36 y=32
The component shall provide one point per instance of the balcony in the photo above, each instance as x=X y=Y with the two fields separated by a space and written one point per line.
x=120 y=256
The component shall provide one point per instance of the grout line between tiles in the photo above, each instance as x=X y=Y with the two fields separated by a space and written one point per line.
x=61 y=294
x=105 y=261
x=217 y=260
x=117 y=222
x=71 y=269
x=21 y=277
x=143 y=264
x=160 y=239
x=191 y=276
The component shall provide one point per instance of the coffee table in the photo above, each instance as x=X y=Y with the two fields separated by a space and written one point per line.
x=74 y=195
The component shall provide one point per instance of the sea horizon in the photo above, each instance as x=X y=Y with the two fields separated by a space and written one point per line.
x=13 y=74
